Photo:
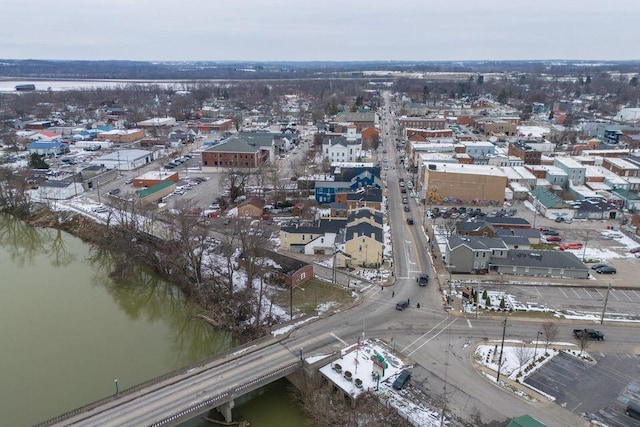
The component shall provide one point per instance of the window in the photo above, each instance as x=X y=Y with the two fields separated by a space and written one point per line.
x=303 y=275
x=303 y=237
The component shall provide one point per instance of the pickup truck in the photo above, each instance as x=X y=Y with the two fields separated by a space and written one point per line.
x=592 y=333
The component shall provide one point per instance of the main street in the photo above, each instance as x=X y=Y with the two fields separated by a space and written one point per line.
x=438 y=342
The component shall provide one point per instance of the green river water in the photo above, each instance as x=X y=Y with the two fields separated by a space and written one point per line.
x=67 y=331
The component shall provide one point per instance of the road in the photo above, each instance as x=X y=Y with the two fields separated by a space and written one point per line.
x=439 y=342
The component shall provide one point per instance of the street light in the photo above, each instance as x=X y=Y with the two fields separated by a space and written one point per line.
x=300 y=353
x=450 y=268
x=116 y=383
x=535 y=352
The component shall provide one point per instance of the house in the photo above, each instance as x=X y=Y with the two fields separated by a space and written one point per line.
x=472 y=254
x=341 y=149
x=507 y=222
x=476 y=228
x=48 y=148
x=562 y=264
x=291 y=271
x=44 y=136
x=320 y=239
x=251 y=208
x=326 y=191
x=368 y=215
x=370 y=198
x=360 y=119
x=56 y=190
x=364 y=243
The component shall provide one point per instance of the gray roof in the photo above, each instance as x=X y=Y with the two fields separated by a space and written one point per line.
x=540 y=259
x=506 y=220
x=471 y=225
x=365 y=213
x=522 y=232
x=237 y=145
x=333 y=184
x=370 y=195
x=513 y=241
x=364 y=228
x=476 y=243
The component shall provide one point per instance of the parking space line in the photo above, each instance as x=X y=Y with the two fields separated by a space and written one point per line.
x=469 y=323
x=537 y=290
x=575 y=292
x=565 y=295
x=625 y=294
x=636 y=293
x=601 y=296
x=613 y=294
x=587 y=292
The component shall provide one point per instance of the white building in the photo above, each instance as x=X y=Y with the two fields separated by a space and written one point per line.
x=341 y=149
x=125 y=160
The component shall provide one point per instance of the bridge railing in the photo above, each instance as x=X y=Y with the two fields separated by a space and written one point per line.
x=209 y=402
x=237 y=351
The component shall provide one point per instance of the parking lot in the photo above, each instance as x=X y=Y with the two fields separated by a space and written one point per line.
x=582 y=387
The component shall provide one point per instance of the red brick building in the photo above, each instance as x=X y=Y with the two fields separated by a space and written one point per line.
x=237 y=153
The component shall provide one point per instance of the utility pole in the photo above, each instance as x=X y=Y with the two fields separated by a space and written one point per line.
x=504 y=331
x=446 y=371
x=606 y=299
x=584 y=250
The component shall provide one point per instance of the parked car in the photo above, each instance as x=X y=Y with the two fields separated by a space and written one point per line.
x=128 y=181
x=635 y=250
x=597 y=266
x=607 y=269
x=114 y=191
x=402 y=305
x=406 y=208
x=405 y=200
x=553 y=238
x=423 y=279
x=559 y=219
x=633 y=409
x=572 y=245
x=402 y=380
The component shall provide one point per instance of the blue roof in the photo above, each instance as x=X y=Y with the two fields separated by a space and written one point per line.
x=45 y=144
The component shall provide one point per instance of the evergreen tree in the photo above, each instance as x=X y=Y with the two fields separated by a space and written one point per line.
x=503 y=304
x=37 y=162
x=484 y=295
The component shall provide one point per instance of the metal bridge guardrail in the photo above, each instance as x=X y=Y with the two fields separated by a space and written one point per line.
x=181 y=371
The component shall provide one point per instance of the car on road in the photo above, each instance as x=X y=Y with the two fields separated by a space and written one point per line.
x=114 y=191
x=591 y=333
x=402 y=380
x=402 y=305
x=423 y=279
x=607 y=269
x=405 y=200
x=410 y=221
x=129 y=181
x=406 y=208
x=559 y=219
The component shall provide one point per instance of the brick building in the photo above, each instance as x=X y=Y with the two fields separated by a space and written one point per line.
x=525 y=152
x=237 y=153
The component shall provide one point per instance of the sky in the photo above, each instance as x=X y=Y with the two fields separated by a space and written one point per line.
x=320 y=30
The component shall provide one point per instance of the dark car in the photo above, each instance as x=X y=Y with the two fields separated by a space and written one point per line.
x=402 y=380
x=598 y=266
x=559 y=219
x=402 y=305
x=406 y=208
x=410 y=221
x=423 y=279
x=606 y=270
x=114 y=191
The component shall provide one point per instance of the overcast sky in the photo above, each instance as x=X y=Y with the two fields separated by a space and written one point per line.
x=303 y=30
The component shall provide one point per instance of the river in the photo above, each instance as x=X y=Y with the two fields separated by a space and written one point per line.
x=68 y=331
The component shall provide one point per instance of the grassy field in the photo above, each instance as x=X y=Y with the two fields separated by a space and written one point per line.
x=313 y=294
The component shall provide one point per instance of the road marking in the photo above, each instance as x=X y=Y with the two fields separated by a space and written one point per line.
x=439 y=332
x=575 y=292
x=613 y=294
x=636 y=293
x=601 y=296
x=625 y=294
x=420 y=337
x=576 y=407
x=469 y=323
x=565 y=295
x=339 y=339
x=587 y=292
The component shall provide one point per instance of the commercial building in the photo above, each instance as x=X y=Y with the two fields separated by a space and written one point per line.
x=120 y=136
x=236 y=152
x=465 y=183
x=126 y=160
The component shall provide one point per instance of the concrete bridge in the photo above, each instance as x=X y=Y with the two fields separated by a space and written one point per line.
x=186 y=393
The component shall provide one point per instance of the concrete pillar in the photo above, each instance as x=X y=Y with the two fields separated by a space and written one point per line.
x=225 y=410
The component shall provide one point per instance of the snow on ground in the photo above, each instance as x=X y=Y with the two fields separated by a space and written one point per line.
x=358 y=360
x=287 y=328
x=519 y=360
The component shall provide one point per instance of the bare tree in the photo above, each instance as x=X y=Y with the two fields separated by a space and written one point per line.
x=550 y=332
x=523 y=355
